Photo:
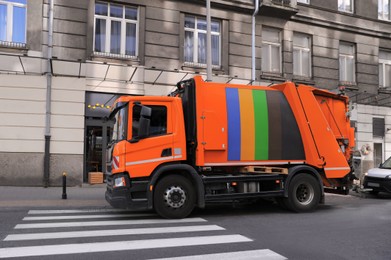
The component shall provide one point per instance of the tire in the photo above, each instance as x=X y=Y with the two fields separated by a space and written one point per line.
x=303 y=194
x=174 y=197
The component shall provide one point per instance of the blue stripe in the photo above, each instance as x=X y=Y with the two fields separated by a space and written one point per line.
x=234 y=133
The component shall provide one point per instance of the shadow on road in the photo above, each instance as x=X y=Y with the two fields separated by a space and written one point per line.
x=266 y=206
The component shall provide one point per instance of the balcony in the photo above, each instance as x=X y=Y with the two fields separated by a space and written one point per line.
x=278 y=8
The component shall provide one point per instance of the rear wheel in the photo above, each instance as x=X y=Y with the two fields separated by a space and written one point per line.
x=303 y=194
x=174 y=197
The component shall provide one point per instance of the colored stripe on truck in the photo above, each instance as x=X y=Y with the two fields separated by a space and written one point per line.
x=261 y=126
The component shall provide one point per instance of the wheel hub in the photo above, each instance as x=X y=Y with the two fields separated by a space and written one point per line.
x=175 y=197
x=304 y=194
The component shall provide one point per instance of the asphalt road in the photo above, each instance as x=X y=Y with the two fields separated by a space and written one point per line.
x=347 y=227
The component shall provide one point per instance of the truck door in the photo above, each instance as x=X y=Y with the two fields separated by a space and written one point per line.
x=145 y=153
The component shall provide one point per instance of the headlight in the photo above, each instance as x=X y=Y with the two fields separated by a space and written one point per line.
x=119 y=182
x=388 y=177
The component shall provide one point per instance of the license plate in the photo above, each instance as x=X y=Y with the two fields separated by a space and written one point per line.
x=372 y=184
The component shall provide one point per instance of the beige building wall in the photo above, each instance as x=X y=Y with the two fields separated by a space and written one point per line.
x=160 y=64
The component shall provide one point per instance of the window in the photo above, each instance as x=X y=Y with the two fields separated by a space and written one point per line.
x=116 y=30
x=158 y=125
x=303 y=1
x=347 y=63
x=384 y=10
x=345 y=6
x=120 y=124
x=378 y=127
x=384 y=69
x=195 y=41
x=301 y=55
x=271 y=51
x=13 y=22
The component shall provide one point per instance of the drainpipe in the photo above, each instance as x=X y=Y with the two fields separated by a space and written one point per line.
x=208 y=43
x=256 y=10
x=46 y=173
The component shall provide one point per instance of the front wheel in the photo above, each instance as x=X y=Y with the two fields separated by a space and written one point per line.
x=303 y=194
x=174 y=197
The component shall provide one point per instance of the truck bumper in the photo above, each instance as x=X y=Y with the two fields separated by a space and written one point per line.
x=132 y=196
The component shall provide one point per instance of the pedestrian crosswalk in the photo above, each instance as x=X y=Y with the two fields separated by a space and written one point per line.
x=73 y=232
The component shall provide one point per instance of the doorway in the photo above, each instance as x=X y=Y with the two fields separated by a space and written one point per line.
x=97 y=136
x=377 y=154
x=97 y=132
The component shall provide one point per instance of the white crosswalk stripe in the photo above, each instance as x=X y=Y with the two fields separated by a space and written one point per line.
x=119 y=246
x=118 y=232
x=87 y=217
x=138 y=231
x=73 y=211
x=107 y=223
x=264 y=254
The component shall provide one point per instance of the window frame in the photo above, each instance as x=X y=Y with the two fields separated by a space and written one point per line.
x=343 y=78
x=124 y=21
x=344 y=9
x=381 y=16
x=196 y=32
x=383 y=63
x=378 y=127
x=10 y=22
x=269 y=45
x=301 y=50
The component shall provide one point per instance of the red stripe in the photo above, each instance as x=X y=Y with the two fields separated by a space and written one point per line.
x=115 y=162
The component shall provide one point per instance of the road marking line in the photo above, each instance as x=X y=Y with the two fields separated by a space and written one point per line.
x=87 y=216
x=119 y=232
x=72 y=211
x=65 y=249
x=108 y=223
x=263 y=254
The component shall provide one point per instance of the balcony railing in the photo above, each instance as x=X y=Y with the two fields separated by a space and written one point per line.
x=278 y=8
x=18 y=45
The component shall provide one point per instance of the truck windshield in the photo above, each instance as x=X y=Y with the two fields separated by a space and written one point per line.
x=120 y=122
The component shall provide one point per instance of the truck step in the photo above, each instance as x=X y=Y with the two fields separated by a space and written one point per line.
x=265 y=169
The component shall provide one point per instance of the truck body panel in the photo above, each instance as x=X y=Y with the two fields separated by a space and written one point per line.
x=249 y=125
x=244 y=125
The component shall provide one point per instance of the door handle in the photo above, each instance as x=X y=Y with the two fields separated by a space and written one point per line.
x=166 y=152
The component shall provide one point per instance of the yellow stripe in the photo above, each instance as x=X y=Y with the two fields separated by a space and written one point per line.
x=247 y=124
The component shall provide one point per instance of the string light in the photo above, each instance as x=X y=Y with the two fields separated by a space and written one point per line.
x=98 y=105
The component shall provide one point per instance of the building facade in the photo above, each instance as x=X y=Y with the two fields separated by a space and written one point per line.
x=63 y=63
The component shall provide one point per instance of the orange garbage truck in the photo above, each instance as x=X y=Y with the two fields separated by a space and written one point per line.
x=218 y=142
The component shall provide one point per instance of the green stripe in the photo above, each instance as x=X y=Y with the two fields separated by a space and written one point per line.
x=261 y=125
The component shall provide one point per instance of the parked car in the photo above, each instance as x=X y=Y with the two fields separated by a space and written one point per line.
x=379 y=179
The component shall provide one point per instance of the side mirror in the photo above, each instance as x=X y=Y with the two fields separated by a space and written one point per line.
x=145 y=121
x=146 y=111
x=143 y=126
x=143 y=131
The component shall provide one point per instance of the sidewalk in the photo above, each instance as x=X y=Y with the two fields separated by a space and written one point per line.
x=85 y=196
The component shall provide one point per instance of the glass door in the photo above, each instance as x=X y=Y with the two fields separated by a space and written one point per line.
x=97 y=135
